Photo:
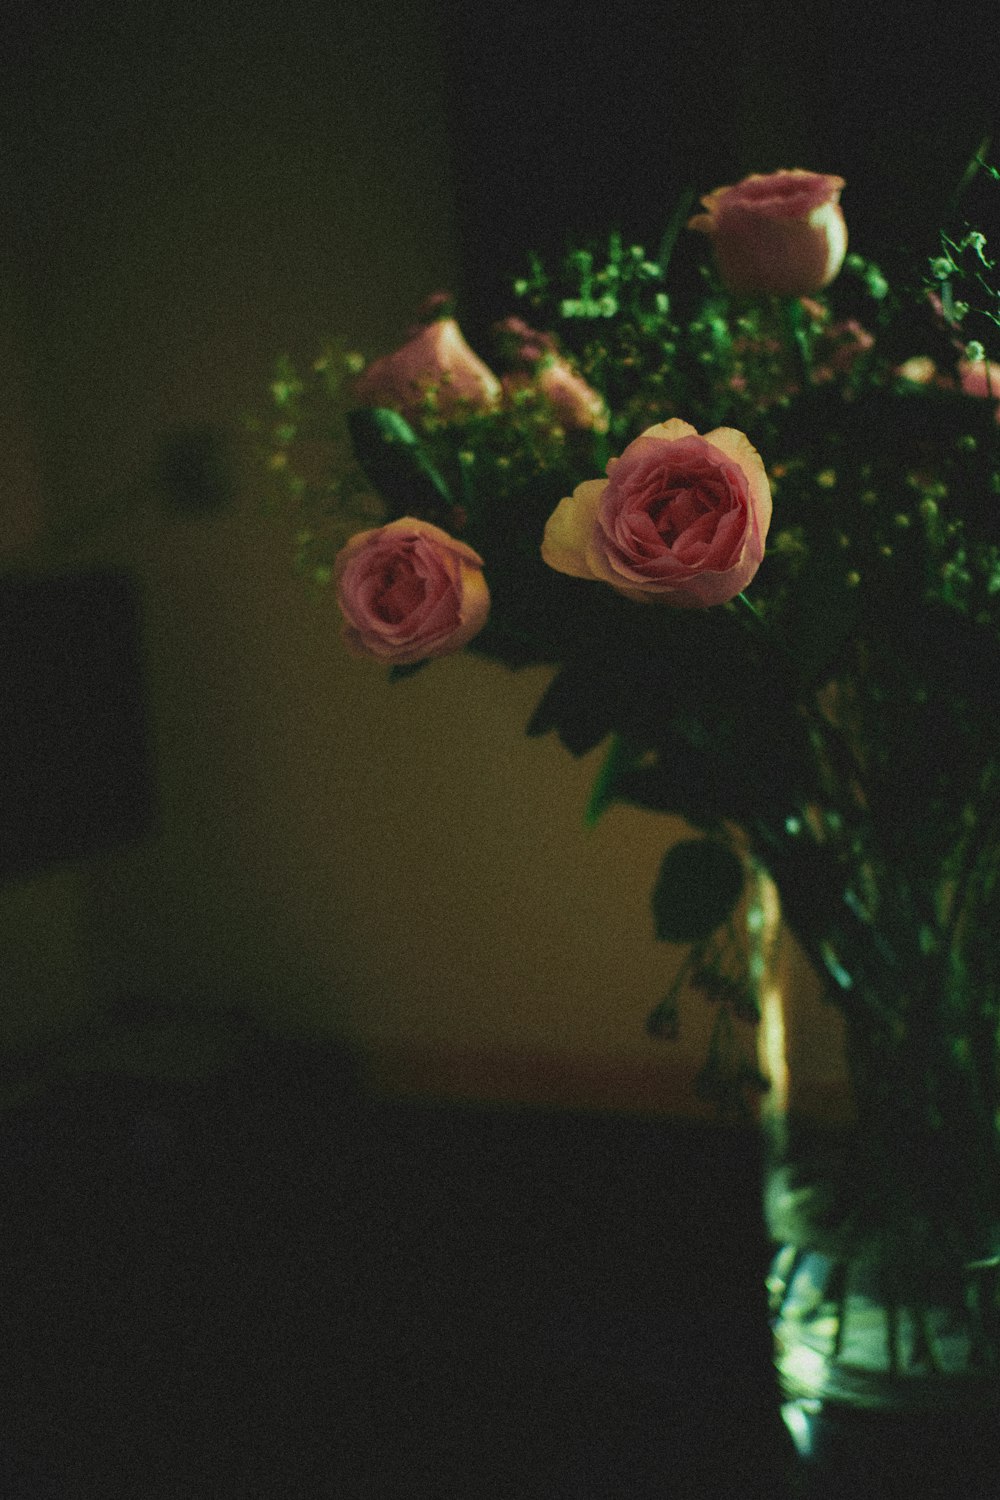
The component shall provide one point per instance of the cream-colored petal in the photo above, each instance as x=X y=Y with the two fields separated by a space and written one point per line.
x=710 y=201
x=738 y=447
x=475 y=609
x=568 y=530
x=670 y=431
x=829 y=220
x=735 y=445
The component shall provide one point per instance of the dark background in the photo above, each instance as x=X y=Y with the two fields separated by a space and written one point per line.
x=567 y=120
x=269 y=1285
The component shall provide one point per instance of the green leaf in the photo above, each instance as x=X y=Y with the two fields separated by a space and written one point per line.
x=400 y=673
x=620 y=756
x=698 y=886
x=580 y=704
x=391 y=455
x=678 y=219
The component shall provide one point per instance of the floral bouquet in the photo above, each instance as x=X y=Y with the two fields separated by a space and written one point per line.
x=751 y=516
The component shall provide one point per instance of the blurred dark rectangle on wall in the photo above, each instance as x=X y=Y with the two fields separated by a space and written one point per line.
x=75 y=765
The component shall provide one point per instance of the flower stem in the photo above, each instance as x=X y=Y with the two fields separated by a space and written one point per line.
x=751 y=607
x=676 y=223
x=793 y=316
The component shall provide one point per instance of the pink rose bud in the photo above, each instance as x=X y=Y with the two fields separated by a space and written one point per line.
x=520 y=344
x=515 y=326
x=409 y=591
x=816 y=310
x=437 y=305
x=680 y=518
x=436 y=358
x=979 y=378
x=783 y=232
x=576 y=406
x=575 y=403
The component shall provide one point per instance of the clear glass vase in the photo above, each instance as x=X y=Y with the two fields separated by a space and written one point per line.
x=880 y=1194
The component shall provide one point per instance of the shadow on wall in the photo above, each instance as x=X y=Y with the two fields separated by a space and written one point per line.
x=188 y=192
x=76 y=771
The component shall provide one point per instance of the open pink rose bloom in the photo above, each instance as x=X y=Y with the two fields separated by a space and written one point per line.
x=779 y=232
x=409 y=591
x=437 y=359
x=680 y=518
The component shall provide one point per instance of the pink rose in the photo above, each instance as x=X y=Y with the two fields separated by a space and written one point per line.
x=540 y=367
x=409 y=591
x=977 y=378
x=520 y=344
x=435 y=358
x=437 y=305
x=575 y=404
x=680 y=518
x=783 y=232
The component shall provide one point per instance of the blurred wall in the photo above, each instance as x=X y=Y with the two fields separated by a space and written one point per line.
x=191 y=192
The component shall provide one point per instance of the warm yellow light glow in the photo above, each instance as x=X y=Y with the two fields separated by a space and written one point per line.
x=772 y=1046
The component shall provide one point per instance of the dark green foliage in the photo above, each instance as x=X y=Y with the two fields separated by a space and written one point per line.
x=699 y=884
x=395 y=462
x=729 y=1077
x=400 y=673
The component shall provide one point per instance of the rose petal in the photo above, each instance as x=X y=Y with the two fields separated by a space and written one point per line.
x=408 y=591
x=568 y=529
x=681 y=518
x=782 y=232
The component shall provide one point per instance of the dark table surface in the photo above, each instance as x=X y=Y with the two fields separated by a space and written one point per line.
x=271 y=1284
